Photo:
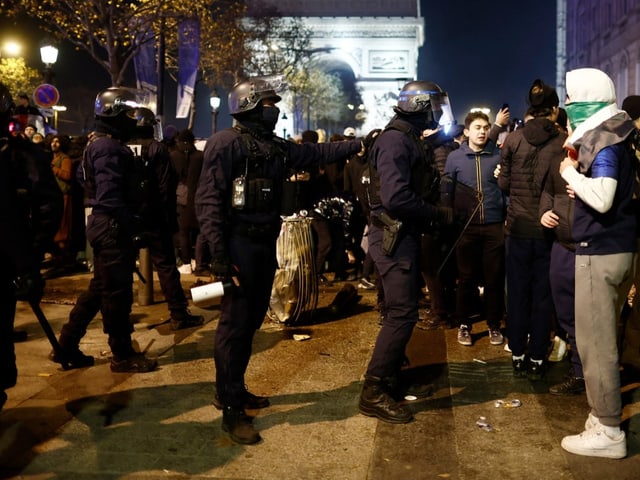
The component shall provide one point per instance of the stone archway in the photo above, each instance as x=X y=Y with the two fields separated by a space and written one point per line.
x=373 y=42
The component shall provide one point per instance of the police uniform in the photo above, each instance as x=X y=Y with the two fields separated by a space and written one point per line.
x=399 y=192
x=159 y=220
x=238 y=205
x=112 y=190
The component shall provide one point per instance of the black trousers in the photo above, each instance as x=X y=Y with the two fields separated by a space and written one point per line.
x=162 y=254
x=480 y=261
x=110 y=290
x=242 y=314
x=399 y=275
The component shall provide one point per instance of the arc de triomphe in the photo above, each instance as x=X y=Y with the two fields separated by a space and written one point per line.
x=376 y=40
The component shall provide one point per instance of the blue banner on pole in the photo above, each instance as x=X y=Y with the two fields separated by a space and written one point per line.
x=188 y=60
x=145 y=66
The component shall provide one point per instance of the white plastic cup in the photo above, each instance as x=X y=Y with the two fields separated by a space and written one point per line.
x=208 y=295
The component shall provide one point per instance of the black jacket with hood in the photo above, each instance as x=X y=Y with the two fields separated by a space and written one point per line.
x=527 y=154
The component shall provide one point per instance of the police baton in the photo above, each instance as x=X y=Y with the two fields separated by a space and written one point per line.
x=44 y=323
x=453 y=247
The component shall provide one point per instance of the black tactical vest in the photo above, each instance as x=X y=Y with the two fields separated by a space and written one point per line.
x=258 y=176
x=425 y=176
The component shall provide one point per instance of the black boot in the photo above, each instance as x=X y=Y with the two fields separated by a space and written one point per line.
x=238 y=424
x=375 y=401
x=72 y=358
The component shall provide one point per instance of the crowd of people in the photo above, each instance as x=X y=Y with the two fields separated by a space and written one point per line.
x=531 y=226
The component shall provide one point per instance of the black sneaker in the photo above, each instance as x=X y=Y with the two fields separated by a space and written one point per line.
x=184 y=319
x=251 y=401
x=3 y=399
x=571 y=386
x=137 y=363
x=535 y=370
x=519 y=367
x=71 y=359
x=239 y=426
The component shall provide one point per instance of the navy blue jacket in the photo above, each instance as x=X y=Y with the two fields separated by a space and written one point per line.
x=474 y=172
x=222 y=151
x=394 y=155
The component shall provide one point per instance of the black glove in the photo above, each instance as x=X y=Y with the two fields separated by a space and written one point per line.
x=29 y=286
x=445 y=215
x=220 y=267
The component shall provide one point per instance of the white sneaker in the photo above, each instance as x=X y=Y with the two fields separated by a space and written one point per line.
x=185 y=269
x=596 y=442
x=591 y=422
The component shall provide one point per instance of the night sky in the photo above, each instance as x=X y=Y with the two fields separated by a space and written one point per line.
x=482 y=53
x=489 y=52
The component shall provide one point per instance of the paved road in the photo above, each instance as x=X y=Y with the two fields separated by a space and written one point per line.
x=92 y=424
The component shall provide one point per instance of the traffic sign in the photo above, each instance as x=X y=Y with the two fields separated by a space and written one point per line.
x=46 y=96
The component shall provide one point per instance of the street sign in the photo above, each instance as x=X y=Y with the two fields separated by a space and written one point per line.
x=46 y=96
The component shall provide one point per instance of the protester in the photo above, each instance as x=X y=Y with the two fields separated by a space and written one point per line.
x=602 y=179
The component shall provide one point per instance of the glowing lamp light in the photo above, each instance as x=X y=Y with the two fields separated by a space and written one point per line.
x=48 y=54
x=214 y=101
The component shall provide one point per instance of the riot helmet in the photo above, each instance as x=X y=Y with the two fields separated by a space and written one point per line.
x=247 y=94
x=115 y=100
x=424 y=97
x=144 y=117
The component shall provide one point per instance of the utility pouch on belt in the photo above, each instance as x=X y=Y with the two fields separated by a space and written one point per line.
x=390 y=234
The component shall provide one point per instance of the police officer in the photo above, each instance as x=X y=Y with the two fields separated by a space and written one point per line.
x=20 y=275
x=402 y=184
x=159 y=217
x=114 y=192
x=238 y=205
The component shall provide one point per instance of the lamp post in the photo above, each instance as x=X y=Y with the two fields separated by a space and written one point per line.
x=214 y=103
x=49 y=56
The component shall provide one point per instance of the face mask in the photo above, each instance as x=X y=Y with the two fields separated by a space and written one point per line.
x=270 y=116
x=578 y=112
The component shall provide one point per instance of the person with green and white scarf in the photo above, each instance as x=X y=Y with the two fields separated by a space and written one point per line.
x=601 y=177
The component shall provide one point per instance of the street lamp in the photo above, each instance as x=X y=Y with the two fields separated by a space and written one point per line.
x=49 y=56
x=214 y=102
x=12 y=48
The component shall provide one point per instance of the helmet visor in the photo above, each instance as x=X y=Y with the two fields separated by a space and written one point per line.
x=121 y=99
x=442 y=111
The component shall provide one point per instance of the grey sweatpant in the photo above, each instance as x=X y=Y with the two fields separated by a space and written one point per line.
x=602 y=283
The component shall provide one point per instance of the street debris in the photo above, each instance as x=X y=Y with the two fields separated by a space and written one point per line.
x=484 y=424
x=515 y=403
